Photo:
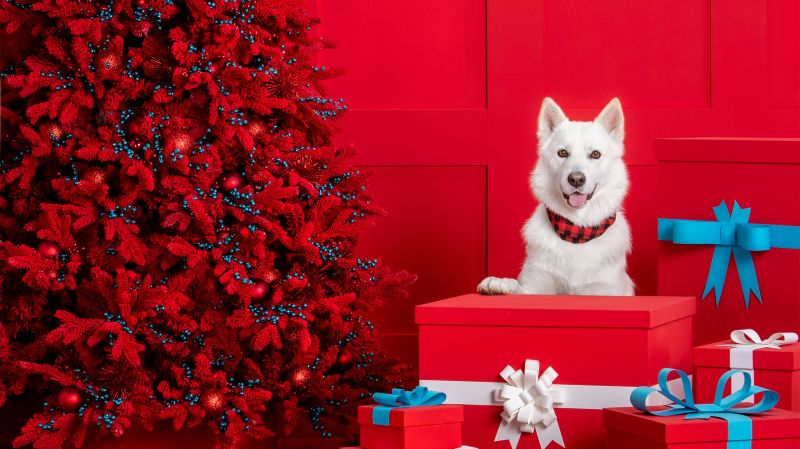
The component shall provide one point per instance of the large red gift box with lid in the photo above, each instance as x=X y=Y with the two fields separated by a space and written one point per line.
x=775 y=368
x=697 y=174
x=422 y=427
x=629 y=428
x=600 y=347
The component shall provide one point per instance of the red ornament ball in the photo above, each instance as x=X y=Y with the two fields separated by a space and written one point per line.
x=137 y=126
x=180 y=141
x=95 y=176
x=260 y=289
x=255 y=128
x=231 y=180
x=69 y=399
x=213 y=403
x=272 y=275
x=345 y=360
x=49 y=249
x=300 y=377
x=108 y=61
x=54 y=130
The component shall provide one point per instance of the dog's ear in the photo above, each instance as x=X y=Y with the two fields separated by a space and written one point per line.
x=550 y=116
x=612 y=120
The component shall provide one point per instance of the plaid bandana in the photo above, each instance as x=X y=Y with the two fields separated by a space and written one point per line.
x=572 y=233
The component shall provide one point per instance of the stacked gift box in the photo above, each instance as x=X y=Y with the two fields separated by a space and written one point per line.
x=587 y=372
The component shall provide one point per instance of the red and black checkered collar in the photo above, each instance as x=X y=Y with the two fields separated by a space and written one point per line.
x=573 y=233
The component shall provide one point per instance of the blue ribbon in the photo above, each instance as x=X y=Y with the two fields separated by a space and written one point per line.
x=731 y=233
x=740 y=427
x=400 y=398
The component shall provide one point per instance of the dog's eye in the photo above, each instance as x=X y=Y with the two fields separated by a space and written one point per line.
x=563 y=153
x=595 y=154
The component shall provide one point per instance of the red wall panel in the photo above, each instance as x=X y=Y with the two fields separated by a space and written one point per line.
x=783 y=53
x=408 y=54
x=653 y=55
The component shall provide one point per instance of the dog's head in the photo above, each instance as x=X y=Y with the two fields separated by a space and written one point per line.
x=580 y=173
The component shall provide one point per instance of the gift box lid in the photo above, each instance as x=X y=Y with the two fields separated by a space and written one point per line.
x=776 y=150
x=424 y=415
x=676 y=429
x=557 y=310
x=785 y=358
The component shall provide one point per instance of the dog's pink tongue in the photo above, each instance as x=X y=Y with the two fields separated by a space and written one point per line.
x=577 y=200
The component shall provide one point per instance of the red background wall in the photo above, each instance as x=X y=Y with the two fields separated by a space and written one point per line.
x=444 y=94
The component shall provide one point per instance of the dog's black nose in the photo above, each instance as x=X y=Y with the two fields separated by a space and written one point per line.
x=576 y=179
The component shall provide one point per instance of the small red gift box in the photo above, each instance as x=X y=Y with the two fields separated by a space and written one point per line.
x=600 y=347
x=419 y=427
x=629 y=428
x=775 y=368
x=694 y=176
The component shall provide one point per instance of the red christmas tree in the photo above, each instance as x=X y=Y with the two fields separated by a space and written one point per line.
x=177 y=228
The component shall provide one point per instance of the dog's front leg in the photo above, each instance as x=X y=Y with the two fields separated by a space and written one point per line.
x=498 y=286
x=534 y=280
x=531 y=281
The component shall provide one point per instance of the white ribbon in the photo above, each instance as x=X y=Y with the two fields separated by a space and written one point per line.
x=528 y=405
x=590 y=397
x=747 y=341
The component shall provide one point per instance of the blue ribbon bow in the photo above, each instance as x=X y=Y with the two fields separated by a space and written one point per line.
x=731 y=233
x=400 y=398
x=740 y=427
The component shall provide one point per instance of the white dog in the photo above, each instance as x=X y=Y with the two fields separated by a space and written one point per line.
x=577 y=239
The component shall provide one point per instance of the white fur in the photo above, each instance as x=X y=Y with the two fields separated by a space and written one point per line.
x=553 y=265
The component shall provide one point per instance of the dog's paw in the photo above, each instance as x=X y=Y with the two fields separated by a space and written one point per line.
x=498 y=286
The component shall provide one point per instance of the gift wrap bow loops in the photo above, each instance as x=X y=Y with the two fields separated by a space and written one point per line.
x=528 y=402
x=400 y=398
x=740 y=426
x=731 y=233
x=749 y=337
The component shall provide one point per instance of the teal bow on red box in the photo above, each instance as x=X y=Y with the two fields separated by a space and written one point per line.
x=731 y=233
x=740 y=426
x=400 y=398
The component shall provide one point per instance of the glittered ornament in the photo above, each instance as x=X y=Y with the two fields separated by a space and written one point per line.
x=231 y=180
x=49 y=249
x=213 y=402
x=345 y=360
x=259 y=290
x=69 y=399
x=255 y=128
x=300 y=377
x=95 y=175
x=53 y=130
x=108 y=61
x=180 y=141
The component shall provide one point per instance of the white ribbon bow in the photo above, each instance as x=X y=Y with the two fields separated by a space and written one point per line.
x=528 y=402
x=747 y=341
x=749 y=337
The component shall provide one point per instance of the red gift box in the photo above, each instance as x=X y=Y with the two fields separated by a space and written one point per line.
x=775 y=368
x=629 y=428
x=419 y=427
x=697 y=174
x=601 y=348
